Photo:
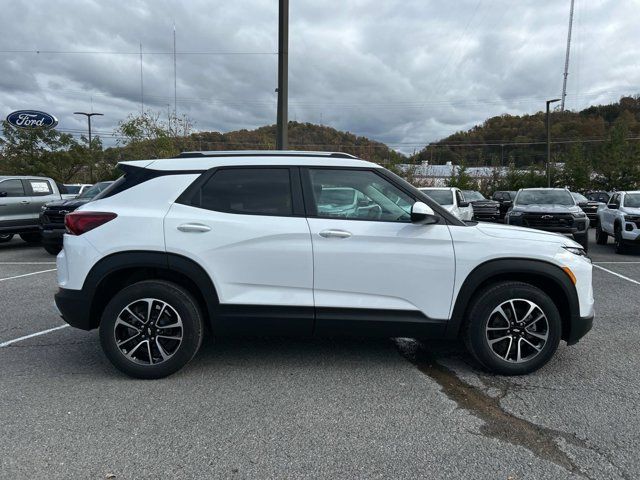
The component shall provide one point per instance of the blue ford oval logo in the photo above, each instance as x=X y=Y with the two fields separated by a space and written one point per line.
x=31 y=119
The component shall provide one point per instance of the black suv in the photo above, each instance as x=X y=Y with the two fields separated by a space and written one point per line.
x=552 y=210
x=483 y=209
x=505 y=199
x=590 y=207
x=52 y=217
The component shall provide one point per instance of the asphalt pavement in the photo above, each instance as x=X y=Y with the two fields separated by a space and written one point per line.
x=322 y=408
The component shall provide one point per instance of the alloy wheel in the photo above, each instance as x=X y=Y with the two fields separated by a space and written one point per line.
x=148 y=331
x=517 y=330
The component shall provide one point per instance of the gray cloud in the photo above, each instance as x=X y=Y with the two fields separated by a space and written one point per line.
x=404 y=72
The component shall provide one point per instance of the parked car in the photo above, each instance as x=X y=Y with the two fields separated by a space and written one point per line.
x=452 y=200
x=21 y=198
x=483 y=209
x=505 y=199
x=590 y=207
x=345 y=202
x=73 y=190
x=598 y=196
x=52 y=217
x=620 y=219
x=552 y=210
x=237 y=240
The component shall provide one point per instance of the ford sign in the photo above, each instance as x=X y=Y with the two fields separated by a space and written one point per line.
x=31 y=119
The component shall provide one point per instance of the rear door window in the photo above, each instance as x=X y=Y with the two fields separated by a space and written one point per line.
x=11 y=188
x=40 y=187
x=248 y=191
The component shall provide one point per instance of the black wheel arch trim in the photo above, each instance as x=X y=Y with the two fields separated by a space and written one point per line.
x=509 y=269
x=132 y=260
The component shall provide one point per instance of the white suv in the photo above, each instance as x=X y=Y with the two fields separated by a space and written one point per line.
x=452 y=200
x=620 y=218
x=239 y=242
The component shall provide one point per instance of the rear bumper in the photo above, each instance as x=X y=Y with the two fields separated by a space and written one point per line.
x=580 y=326
x=74 y=308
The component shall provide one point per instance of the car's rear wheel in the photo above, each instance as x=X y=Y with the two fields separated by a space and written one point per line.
x=6 y=237
x=151 y=329
x=512 y=328
x=53 y=249
x=31 y=237
x=601 y=236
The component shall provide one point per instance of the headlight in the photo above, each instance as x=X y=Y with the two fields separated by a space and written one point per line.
x=575 y=250
x=579 y=215
x=43 y=208
x=517 y=213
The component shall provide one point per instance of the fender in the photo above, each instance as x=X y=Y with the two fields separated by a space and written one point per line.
x=547 y=276
x=167 y=263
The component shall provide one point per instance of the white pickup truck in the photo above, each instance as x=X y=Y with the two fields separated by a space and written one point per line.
x=451 y=199
x=620 y=219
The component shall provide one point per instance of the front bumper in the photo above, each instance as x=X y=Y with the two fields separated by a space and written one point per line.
x=579 y=226
x=74 y=308
x=579 y=327
x=52 y=236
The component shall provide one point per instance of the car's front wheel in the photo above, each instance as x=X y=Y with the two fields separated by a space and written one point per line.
x=512 y=328
x=53 y=249
x=151 y=329
x=620 y=246
x=31 y=237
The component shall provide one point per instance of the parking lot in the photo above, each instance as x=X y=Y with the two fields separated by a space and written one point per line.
x=345 y=408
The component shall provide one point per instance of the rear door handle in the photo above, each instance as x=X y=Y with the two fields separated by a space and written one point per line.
x=335 y=233
x=194 y=228
x=24 y=201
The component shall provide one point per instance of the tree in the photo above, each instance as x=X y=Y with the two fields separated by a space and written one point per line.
x=460 y=178
x=45 y=152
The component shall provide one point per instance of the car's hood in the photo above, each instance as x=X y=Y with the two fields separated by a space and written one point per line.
x=547 y=208
x=521 y=233
x=488 y=203
x=73 y=203
x=630 y=211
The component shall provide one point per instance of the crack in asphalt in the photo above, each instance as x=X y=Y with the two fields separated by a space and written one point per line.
x=498 y=423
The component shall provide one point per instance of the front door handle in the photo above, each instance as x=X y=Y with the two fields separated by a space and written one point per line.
x=335 y=233
x=194 y=228
x=24 y=201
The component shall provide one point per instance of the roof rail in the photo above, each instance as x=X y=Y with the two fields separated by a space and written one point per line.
x=264 y=153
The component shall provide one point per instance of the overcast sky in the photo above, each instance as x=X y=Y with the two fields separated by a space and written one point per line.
x=403 y=72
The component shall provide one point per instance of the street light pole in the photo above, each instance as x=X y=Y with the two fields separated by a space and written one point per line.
x=89 y=115
x=282 y=140
x=549 y=102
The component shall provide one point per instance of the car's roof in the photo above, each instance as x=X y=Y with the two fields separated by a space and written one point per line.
x=436 y=188
x=23 y=177
x=545 y=188
x=630 y=191
x=207 y=160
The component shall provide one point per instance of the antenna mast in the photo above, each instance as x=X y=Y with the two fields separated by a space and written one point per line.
x=566 y=59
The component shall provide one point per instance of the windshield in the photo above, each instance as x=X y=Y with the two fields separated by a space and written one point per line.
x=472 y=195
x=442 y=197
x=632 y=200
x=579 y=198
x=337 y=196
x=73 y=189
x=93 y=191
x=544 y=197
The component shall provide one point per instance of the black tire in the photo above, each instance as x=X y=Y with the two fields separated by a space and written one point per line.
x=480 y=314
x=188 y=313
x=31 y=237
x=6 y=237
x=582 y=239
x=53 y=249
x=621 y=248
x=601 y=236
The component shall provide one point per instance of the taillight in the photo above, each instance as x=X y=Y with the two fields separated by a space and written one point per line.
x=78 y=223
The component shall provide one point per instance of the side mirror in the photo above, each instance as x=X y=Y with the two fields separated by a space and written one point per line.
x=3 y=194
x=423 y=214
x=463 y=204
x=612 y=206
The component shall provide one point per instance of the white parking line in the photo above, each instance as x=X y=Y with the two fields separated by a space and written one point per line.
x=37 y=334
x=31 y=263
x=606 y=263
x=27 y=274
x=618 y=275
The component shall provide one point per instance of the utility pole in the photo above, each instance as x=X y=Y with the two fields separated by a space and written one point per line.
x=141 y=84
x=175 y=84
x=549 y=102
x=566 y=58
x=282 y=140
x=89 y=115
